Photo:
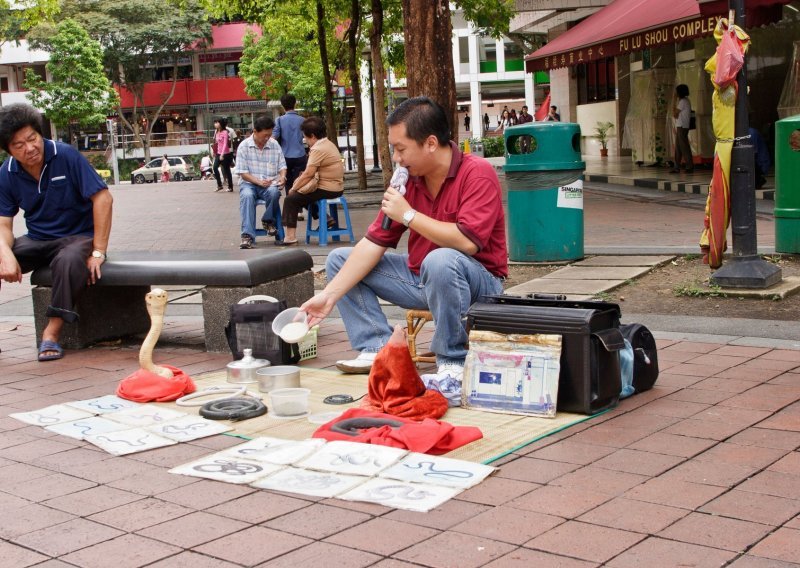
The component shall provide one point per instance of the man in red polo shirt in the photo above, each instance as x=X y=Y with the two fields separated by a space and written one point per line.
x=456 y=248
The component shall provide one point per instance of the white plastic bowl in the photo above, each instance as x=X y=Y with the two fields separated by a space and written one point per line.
x=291 y=325
x=289 y=402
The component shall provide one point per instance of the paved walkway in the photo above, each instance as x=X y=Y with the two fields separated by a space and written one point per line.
x=703 y=470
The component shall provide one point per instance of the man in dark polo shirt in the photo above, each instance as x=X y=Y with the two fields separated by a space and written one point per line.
x=67 y=209
x=456 y=247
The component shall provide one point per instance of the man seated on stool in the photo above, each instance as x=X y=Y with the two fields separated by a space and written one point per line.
x=67 y=209
x=456 y=247
x=262 y=170
x=323 y=177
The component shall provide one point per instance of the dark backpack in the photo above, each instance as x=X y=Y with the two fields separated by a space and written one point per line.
x=250 y=327
x=645 y=355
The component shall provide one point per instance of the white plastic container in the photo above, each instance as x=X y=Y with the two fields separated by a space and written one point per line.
x=291 y=325
x=289 y=402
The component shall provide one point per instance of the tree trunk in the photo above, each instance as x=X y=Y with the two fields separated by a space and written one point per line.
x=380 y=89
x=355 y=81
x=330 y=119
x=428 y=34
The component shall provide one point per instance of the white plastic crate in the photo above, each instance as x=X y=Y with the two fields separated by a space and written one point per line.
x=308 y=345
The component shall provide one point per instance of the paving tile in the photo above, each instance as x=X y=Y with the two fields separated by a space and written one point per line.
x=534 y=470
x=635 y=461
x=189 y=559
x=258 y=507
x=675 y=381
x=748 y=561
x=126 y=551
x=19 y=557
x=19 y=472
x=765 y=363
x=585 y=541
x=508 y=524
x=110 y=470
x=29 y=451
x=742 y=416
x=93 y=500
x=67 y=537
x=525 y=558
x=141 y=514
x=790 y=463
x=724 y=384
x=765 y=397
x=63 y=461
x=694 y=370
x=783 y=544
x=16 y=522
x=570 y=451
x=736 y=454
x=49 y=487
x=630 y=515
x=658 y=552
x=443 y=517
x=154 y=481
x=12 y=502
x=568 y=502
x=721 y=360
x=253 y=545
x=712 y=430
x=755 y=507
x=720 y=532
x=316 y=552
x=774 y=483
x=674 y=493
x=693 y=347
x=672 y=445
x=317 y=521
x=794 y=523
x=710 y=473
x=54 y=564
x=767 y=438
x=456 y=550
x=601 y=480
x=782 y=421
x=742 y=351
x=700 y=396
x=652 y=417
x=497 y=490
x=371 y=536
x=204 y=493
x=783 y=355
x=193 y=529
x=607 y=435
x=170 y=456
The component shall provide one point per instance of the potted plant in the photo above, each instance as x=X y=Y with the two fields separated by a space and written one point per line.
x=602 y=133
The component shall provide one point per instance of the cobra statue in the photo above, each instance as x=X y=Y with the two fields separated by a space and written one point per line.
x=156 y=301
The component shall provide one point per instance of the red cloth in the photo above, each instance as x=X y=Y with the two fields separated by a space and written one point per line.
x=144 y=386
x=541 y=114
x=427 y=437
x=396 y=388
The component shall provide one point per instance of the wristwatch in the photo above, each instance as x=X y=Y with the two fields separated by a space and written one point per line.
x=98 y=254
x=408 y=216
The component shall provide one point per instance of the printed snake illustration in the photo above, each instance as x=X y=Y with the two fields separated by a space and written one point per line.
x=156 y=301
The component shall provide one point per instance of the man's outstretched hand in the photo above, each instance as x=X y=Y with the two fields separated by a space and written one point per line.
x=318 y=308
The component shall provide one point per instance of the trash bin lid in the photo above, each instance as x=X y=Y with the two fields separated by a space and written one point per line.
x=537 y=146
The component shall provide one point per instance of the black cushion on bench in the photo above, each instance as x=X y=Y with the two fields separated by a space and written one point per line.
x=210 y=268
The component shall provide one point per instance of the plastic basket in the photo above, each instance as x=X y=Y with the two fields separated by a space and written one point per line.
x=308 y=345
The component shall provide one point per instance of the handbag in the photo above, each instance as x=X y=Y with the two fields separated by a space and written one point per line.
x=692 y=121
x=250 y=327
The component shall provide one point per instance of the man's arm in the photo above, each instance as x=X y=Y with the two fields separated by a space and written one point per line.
x=362 y=260
x=9 y=267
x=101 y=213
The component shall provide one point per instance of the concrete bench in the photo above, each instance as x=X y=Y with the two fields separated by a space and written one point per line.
x=115 y=306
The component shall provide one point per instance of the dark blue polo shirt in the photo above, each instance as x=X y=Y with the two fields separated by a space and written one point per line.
x=59 y=204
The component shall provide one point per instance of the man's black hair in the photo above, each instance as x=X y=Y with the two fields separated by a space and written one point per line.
x=288 y=101
x=314 y=126
x=423 y=117
x=263 y=122
x=15 y=117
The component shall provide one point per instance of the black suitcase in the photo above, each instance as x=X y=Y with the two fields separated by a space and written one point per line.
x=589 y=381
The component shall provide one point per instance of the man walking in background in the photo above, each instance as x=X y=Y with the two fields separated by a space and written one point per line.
x=287 y=132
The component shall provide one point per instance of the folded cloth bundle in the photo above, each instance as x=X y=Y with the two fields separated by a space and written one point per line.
x=144 y=386
x=395 y=386
x=428 y=437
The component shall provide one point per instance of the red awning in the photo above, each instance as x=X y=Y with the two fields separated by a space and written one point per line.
x=622 y=27
x=229 y=36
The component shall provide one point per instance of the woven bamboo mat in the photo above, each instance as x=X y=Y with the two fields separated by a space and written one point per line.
x=502 y=433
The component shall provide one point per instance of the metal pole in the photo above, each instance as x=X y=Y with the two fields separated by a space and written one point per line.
x=347 y=134
x=746 y=269
x=376 y=166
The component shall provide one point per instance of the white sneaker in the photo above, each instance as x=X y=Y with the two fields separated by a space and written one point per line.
x=360 y=365
x=447 y=381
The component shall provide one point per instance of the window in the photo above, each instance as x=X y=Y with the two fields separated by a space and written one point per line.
x=596 y=81
x=463 y=49
x=3 y=84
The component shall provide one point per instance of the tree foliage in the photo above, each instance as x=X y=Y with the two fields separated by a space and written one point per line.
x=78 y=89
x=25 y=14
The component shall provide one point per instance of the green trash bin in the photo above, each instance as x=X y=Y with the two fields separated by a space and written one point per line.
x=544 y=174
x=787 y=190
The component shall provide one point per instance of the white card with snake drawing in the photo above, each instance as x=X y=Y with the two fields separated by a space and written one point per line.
x=145 y=415
x=226 y=468
x=79 y=429
x=275 y=450
x=436 y=470
x=56 y=414
x=352 y=458
x=188 y=428
x=308 y=482
x=103 y=404
x=401 y=495
x=128 y=441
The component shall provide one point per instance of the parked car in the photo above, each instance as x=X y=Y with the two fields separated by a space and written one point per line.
x=179 y=169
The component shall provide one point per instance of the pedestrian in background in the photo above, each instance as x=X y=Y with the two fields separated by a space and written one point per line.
x=682 y=112
x=485 y=121
x=552 y=115
x=289 y=135
x=223 y=154
x=466 y=121
x=164 y=169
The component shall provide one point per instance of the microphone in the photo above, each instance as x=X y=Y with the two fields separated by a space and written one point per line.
x=398 y=181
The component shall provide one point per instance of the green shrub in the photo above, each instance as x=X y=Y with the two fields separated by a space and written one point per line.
x=492 y=147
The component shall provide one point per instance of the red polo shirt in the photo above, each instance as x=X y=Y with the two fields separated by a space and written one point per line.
x=471 y=198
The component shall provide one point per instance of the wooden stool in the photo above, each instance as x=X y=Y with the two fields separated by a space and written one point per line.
x=416 y=320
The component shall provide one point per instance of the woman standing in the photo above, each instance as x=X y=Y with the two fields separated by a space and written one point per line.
x=683 y=117
x=223 y=154
x=505 y=121
x=164 y=169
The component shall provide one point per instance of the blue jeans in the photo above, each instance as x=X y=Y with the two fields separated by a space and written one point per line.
x=248 y=194
x=448 y=284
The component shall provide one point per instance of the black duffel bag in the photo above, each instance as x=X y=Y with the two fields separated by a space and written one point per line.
x=250 y=327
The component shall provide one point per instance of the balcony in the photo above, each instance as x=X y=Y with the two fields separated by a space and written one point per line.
x=189 y=92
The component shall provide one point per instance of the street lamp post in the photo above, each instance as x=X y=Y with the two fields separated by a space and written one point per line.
x=376 y=167
x=746 y=269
